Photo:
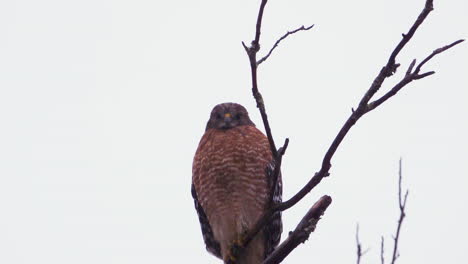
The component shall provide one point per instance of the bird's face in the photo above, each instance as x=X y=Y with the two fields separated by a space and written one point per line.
x=228 y=115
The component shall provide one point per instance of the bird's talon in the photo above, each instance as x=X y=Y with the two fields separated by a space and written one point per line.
x=230 y=258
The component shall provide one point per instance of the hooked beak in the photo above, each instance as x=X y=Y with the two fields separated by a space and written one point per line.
x=227 y=118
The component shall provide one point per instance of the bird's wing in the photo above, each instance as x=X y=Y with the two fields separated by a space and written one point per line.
x=274 y=228
x=211 y=244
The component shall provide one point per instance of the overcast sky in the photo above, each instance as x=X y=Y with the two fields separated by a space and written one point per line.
x=102 y=105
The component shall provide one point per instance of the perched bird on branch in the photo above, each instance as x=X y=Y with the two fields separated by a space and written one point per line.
x=231 y=186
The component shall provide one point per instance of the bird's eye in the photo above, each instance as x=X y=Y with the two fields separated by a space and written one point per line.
x=237 y=117
x=218 y=116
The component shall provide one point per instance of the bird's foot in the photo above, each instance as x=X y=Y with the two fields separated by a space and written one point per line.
x=237 y=247
x=230 y=258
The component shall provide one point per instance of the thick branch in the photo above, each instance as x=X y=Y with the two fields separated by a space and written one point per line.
x=301 y=233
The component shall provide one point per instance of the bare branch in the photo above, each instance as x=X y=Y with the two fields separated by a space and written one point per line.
x=410 y=76
x=364 y=106
x=396 y=237
x=302 y=231
x=382 y=247
x=428 y=7
x=435 y=52
x=252 y=54
x=390 y=68
x=258 y=28
x=280 y=39
x=411 y=66
x=359 y=252
x=401 y=205
x=420 y=76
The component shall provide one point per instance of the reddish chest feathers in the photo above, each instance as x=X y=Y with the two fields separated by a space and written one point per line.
x=229 y=170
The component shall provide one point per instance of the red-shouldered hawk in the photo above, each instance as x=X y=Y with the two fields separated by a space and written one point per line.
x=231 y=184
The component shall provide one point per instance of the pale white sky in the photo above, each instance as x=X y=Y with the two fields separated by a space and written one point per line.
x=102 y=105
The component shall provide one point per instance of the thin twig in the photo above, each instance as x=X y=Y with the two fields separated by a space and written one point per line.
x=437 y=51
x=358 y=244
x=359 y=251
x=401 y=205
x=382 y=247
x=301 y=233
x=280 y=39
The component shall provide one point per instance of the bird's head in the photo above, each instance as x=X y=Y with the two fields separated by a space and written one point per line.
x=228 y=115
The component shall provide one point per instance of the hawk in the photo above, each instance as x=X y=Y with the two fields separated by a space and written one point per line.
x=232 y=183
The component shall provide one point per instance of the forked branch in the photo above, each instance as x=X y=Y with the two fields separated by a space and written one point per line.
x=359 y=251
x=401 y=205
x=363 y=107
x=411 y=76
